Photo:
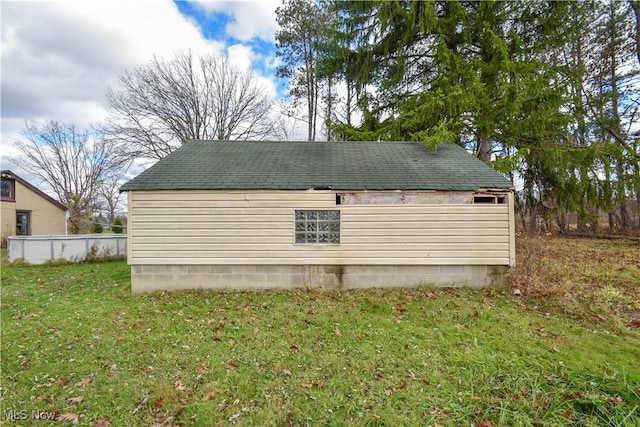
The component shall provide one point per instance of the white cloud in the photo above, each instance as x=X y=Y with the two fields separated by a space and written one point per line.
x=241 y=56
x=59 y=57
x=250 y=18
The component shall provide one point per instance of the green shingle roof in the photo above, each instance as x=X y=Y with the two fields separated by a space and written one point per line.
x=248 y=165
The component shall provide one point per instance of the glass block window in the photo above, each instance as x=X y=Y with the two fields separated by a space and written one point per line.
x=318 y=226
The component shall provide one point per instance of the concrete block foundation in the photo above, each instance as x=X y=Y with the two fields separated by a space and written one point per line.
x=149 y=278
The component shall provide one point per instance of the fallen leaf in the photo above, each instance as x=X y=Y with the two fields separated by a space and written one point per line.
x=572 y=396
x=68 y=417
x=231 y=366
x=210 y=395
x=158 y=402
x=286 y=372
x=485 y=423
x=399 y=308
x=388 y=392
x=367 y=405
x=306 y=385
x=338 y=332
x=61 y=382
x=179 y=386
x=103 y=422
x=616 y=400
x=83 y=382
x=567 y=414
x=77 y=399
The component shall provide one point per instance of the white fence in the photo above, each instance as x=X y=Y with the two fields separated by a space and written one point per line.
x=40 y=249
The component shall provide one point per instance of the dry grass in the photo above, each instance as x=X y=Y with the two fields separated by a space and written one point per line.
x=591 y=278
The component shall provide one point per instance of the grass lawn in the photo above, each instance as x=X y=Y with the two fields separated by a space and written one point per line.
x=79 y=348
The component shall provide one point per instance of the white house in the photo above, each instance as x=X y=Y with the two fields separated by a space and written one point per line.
x=238 y=214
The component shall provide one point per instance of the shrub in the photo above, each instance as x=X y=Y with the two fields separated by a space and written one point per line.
x=97 y=228
x=117 y=226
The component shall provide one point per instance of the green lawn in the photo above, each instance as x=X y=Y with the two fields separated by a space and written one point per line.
x=77 y=346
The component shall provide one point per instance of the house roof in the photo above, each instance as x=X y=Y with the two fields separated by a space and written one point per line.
x=7 y=174
x=244 y=165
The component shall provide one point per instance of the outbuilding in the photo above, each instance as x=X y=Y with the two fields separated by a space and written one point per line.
x=216 y=214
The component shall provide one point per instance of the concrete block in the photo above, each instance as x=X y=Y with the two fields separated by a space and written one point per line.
x=198 y=269
x=266 y=269
x=153 y=269
x=185 y=281
x=146 y=278
x=362 y=280
x=220 y=269
x=208 y=281
x=440 y=279
x=300 y=281
x=254 y=280
x=474 y=269
x=279 y=280
x=142 y=283
x=231 y=280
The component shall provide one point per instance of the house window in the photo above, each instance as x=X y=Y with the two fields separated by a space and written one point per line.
x=8 y=188
x=317 y=226
x=490 y=199
x=23 y=223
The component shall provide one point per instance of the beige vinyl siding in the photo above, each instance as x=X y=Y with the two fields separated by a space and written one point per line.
x=208 y=227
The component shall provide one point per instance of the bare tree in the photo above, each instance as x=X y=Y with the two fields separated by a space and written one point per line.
x=74 y=163
x=165 y=103
x=111 y=199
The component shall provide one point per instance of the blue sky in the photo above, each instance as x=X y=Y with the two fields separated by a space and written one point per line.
x=59 y=57
x=224 y=24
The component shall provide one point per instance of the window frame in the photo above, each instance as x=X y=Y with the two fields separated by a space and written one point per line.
x=27 y=214
x=12 y=190
x=315 y=224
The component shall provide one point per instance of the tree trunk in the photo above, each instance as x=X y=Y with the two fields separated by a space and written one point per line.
x=635 y=5
x=484 y=148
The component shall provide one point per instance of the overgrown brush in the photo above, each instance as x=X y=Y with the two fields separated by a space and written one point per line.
x=588 y=278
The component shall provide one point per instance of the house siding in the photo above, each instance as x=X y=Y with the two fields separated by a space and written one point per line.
x=258 y=227
x=45 y=217
x=186 y=229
